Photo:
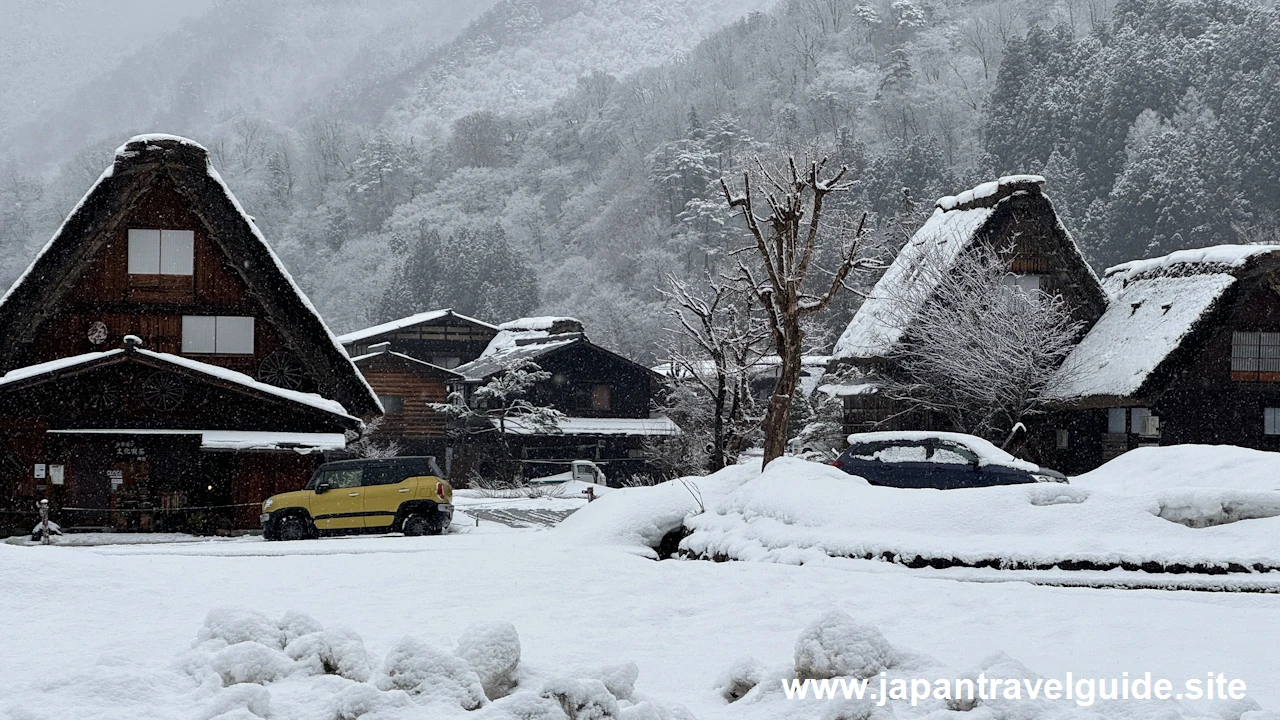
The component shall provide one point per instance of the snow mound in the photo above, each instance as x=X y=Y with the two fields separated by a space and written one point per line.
x=493 y=651
x=427 y=672
x=295 y=624
x=1199 y=466
x=338 y=651
x=248 y=701
x=251 y=662
x=522 y=706
x=366 y=701
x=837 y=645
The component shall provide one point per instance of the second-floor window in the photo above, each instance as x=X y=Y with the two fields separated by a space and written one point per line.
x=161 y=252
x=217 y=335
x=1255 y=356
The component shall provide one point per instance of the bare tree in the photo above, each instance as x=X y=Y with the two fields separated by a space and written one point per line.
x=367 y=445
x=786 y=242
x=720 y=341
x=981 y=351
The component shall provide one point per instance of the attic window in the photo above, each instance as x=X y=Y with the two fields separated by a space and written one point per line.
x=161 y=252
x=220 y=335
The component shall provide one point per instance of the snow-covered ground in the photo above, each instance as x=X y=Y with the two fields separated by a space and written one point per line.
x=384 y=628
x=108 y=632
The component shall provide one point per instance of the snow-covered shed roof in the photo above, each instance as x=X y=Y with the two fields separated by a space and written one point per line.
x=408 y=322
x=139 y=165
x=956 y=224
x=1155 y=305
x=225 y=376
x=660 y=425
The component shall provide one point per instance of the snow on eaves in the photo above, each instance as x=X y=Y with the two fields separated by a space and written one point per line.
x=405 y=322
x=909 y=282
x=53 y=366
x=660 y=425
x=1143 y=324
x=545 y=322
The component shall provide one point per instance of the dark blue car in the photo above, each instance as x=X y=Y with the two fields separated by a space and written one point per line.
x=944 y=461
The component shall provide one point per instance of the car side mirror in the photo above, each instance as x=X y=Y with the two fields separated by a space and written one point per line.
x=322 y=488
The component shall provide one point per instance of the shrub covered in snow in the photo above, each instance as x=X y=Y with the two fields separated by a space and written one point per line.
x=582 y=699
x=237 y=625
x=739 y=679
x=336 y=651
x=493 y=651
x=424 y=671
x=837 y=645
x=294 y=625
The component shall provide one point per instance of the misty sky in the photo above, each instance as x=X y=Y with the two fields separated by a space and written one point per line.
x=48 y=48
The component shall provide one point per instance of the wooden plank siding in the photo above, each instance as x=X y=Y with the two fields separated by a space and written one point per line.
x=417 y=385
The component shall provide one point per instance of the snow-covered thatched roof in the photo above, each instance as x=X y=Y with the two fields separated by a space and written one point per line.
x=139 y=165
x=1155 y=305
x=957 y=223
x=523 y=340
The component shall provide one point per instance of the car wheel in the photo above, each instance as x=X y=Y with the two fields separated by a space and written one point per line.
x=291 y=527
x=417 y=524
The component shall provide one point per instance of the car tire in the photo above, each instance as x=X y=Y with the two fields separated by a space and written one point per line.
x=417 y=524
x=292 y=527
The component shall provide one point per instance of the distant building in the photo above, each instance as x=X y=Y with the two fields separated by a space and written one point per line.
x=161 y=369
x=1188 y=351
x=1011 y=216
x=606 y=398
x=407 y=387
x=441 y=337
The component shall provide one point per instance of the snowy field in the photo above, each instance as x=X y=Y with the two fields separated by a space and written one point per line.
x=108 y=632
x=502 y=623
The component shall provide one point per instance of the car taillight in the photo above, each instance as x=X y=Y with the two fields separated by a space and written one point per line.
x=440 y=490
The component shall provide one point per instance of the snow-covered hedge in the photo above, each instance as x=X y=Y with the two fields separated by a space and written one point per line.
x=1175 y=508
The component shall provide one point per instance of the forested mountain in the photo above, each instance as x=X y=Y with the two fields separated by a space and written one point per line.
x=563 y=156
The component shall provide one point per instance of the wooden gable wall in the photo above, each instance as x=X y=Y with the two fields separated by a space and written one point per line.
x=152 y=306
x=576 y=372
x=416 y=385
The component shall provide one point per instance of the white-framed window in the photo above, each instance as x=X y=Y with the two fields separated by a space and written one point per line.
x=217 y=334
x=1136 y=418
x=1271 y=421
x=1026 y=283
x=392 y=404
x=1063 y=439
x=1255 y=355
x=161 y=252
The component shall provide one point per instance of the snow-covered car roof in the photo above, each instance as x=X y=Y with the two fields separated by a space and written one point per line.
x=987 y=453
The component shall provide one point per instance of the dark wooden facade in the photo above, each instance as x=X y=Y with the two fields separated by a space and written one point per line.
x=587 y=383
x=1194 y=392
x=126 y=419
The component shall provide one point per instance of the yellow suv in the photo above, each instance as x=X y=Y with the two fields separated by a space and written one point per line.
x=403 y=494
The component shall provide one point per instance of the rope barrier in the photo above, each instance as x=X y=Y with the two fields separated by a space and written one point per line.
x=159 y=509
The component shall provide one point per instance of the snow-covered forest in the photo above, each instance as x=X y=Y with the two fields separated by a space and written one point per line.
x=563 y=156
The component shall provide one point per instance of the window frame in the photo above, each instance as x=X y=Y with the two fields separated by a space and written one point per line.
x=1255 y=356
x=1271 y=421
x=188 y=340
x=181 y=242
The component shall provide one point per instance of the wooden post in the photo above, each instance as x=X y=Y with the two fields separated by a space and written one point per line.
x=44 y=521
